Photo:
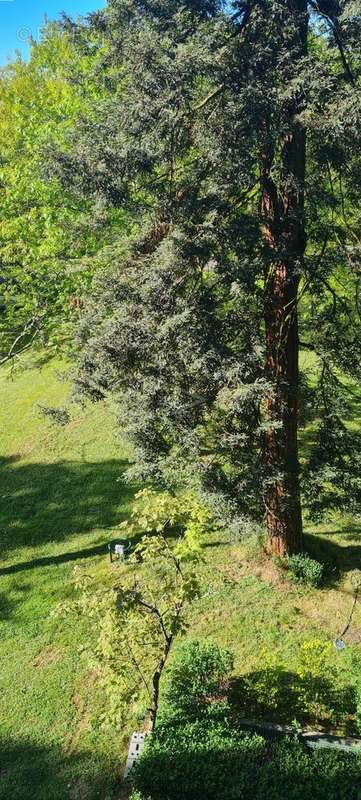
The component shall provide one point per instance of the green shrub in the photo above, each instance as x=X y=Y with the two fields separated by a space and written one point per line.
x=197 y=761
x=263 y=690
x=304 y=569
x=210 y=760
x=358 y=705
x=316 y=669
x=294 y=773
x=313 y=659
x=198 y=680
x=311 y=693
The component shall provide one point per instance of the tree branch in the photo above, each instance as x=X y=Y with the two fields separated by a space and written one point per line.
x=155 y=611
x=246 y=11
x=137 y=666
x=333 y=24
x=25 y=332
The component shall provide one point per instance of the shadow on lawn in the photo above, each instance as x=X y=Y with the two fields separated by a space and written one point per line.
x=48 y=561
x=31 y=771
x=9 y=603
x=277 y=695
x=336 y=557
x=43 y=503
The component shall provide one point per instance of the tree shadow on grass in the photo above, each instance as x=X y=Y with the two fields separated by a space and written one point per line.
x=337 y=558
x=279 y=696
x=9 y=602
x=48 y=561
x=43 y=503
x=31 y=772
x=346 y=531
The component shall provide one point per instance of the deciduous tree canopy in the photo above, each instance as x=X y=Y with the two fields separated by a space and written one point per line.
x=48 y=236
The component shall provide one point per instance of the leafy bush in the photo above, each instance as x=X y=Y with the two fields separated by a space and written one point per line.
x=198 y=679
x=198 y=760
x=136 y=796
x=304 y=569
x=263 y=689
x=358 y=705
x=209 y=760
x=312 y=692
x=317 y=674
x=313 y=659
x=293 y=773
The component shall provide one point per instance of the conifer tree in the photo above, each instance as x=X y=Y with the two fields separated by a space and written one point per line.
x=232 y=135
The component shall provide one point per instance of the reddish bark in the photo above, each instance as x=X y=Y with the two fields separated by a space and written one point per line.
x=284 y=239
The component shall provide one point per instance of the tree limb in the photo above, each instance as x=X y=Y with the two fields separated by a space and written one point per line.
x=333 y=24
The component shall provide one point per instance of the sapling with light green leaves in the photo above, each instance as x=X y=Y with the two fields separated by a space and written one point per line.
x=162 y=512
x=137 y=621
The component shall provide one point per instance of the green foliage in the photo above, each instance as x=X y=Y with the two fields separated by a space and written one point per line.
x=136 y=622
x=211 y=760
x=163 y=512
x=313 y=659
x=356 y=668
x=175 y=328
x=333 y=481
x=196 y=760
x=311 y=692
x=136 y=796
x=304 y=569
x=358 y=705
x=264 y=688
x=50 y=238
x=317 y=673
x=198 y=680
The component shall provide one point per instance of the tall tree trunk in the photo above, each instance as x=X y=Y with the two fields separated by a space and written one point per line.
x=284 y=239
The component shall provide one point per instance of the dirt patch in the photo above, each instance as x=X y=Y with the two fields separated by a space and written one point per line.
x=81 y=703
x=353 y=636
x=46 y=657
x=268 y=572
x=81 y=726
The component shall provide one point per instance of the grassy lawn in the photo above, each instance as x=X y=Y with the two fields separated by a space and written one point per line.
x=61 y=500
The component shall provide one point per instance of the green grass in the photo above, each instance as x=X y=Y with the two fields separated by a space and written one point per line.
x=61 y=500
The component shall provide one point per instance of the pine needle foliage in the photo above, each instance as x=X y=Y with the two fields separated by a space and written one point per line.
x=232 y=133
